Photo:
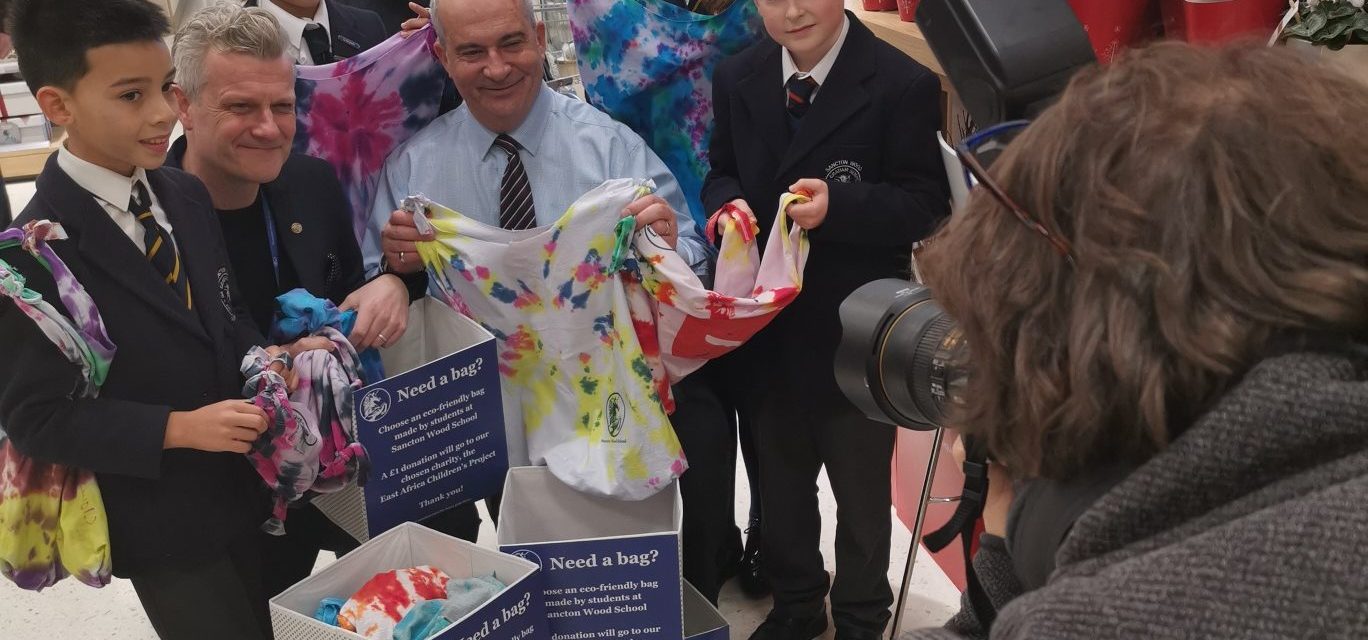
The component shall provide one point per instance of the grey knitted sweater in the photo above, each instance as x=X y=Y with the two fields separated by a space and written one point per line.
x=1252 y=524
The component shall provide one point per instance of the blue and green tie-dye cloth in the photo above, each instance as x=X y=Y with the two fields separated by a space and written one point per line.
x=649 y=64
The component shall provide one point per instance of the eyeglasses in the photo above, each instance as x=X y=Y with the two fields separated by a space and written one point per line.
x=993 y=140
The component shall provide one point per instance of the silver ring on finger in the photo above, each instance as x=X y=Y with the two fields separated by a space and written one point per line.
x=382 y=338
x=401 y=257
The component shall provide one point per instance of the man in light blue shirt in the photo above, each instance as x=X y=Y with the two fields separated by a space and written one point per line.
x=515 y=155
x=493 y=51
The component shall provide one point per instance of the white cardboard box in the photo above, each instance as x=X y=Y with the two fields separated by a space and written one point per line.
x=517 y=613
x=433 y=430
x=611 y=567
x=701 y=619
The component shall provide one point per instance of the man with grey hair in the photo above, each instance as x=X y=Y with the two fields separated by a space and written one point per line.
x=284 y=216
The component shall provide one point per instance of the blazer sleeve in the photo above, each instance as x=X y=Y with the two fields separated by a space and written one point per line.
x=723 y=182
x=41 y=409
x=915 y=194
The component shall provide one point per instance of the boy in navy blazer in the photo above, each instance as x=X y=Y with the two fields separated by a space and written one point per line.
x=824 y=106
x=166 y=435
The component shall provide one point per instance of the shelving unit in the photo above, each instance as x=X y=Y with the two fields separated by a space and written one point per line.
x=22 y=164
x=903 y=35
x=28 y=163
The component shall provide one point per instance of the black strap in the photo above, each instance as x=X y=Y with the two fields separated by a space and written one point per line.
x=962 y=524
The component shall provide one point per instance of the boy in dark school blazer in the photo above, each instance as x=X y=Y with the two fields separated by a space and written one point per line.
x=165 y=437
x=823 y=105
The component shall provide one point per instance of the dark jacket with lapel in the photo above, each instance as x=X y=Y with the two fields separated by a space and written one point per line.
x=392 y=13
x=871 y=133
x=323 y=251
x=352 y=30
x=165 y=507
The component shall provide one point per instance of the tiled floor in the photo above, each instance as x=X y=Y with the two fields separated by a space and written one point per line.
x=71 y=610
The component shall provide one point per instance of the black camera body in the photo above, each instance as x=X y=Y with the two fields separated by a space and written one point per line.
x=1007 y=59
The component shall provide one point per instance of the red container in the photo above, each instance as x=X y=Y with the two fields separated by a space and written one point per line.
x=1213 y=21
x=1113 y=25
x=907 y=10
x=880 y=5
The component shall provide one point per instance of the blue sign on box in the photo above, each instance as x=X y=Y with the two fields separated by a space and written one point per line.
x=611 y=567
x=626 y=586
x=435 y=436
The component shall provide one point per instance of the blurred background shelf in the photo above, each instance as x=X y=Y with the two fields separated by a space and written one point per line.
x=903 y=35
x=26 y=164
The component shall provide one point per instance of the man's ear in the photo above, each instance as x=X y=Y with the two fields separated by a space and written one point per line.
x=183 y=108
x=541 y=37
x=55 y=104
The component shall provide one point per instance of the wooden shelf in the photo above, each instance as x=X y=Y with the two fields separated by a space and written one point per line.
x=21 y=165
x=906 y=36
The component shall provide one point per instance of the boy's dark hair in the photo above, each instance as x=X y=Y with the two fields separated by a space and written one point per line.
x=53 y=36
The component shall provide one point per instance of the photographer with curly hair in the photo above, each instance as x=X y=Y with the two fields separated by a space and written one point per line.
x=1169 y=358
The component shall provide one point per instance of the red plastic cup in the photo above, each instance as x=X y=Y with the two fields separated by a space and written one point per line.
x=880 y=5
x=907 y=10
x=1113 y=25
x=1214 y=21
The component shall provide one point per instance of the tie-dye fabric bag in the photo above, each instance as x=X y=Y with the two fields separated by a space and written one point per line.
x=579 y=309
x=310 y=445
x=649 y=64
x=52 y=518
x=688 y=325
x=353 y=113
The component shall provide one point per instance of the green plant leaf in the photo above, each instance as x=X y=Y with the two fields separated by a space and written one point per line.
x=1342 y=11
x=1314 y=22
x=1335 y=30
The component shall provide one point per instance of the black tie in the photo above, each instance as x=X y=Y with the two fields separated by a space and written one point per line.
x=799 y=92
x=161 y=251
x=320 y=49
x=515 y=193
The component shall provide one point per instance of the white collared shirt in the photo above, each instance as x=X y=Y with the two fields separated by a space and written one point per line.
x=293 y=27
x=822 y=68
x=112 y=192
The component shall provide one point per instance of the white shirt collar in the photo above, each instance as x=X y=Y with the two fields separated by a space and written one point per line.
x=293 y=27
x=104 y=184
x=823 y=67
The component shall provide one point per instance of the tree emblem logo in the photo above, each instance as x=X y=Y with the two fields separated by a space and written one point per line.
x=616 y=410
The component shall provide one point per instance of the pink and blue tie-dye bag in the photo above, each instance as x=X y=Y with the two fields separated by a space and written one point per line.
x=310 y=444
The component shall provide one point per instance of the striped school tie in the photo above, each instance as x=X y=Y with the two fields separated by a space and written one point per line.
x=515 y=192
x=798 y=97
x=161 y=251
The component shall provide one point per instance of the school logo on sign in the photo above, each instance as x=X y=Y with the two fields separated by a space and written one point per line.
x=616 y=412
x=844 y=171
x=530 y=556
x=375 y=404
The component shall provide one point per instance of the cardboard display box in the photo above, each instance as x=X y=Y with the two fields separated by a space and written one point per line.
x=515 y=614
x=611 y=566
x=434 y=430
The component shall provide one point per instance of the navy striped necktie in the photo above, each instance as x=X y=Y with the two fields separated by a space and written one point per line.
x=798 y=97
x=161 y=251
x=515 y=192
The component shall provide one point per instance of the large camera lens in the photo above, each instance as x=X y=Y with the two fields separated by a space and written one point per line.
x=901 y=360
